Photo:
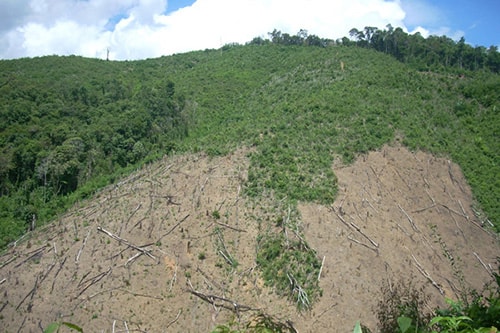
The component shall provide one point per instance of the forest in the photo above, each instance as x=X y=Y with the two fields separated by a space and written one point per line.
x=71 y=125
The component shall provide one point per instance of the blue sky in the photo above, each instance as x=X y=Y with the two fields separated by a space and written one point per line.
x=139 y=29
x=478 y=21
x=173 y=5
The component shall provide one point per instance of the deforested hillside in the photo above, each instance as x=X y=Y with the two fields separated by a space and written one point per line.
x=178 y=247
x=263 y=183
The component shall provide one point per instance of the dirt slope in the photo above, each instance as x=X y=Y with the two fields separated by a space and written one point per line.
x=147 y=254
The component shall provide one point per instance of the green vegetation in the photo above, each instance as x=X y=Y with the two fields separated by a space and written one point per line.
x=259 y=323
x=288 y=263
x=434 y=52
x=55 y=326
x=402 y=309
x=70 y=125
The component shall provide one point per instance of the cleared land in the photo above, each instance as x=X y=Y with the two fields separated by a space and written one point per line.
x=173 y=247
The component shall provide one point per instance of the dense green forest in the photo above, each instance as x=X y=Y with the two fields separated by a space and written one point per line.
x=71 y=125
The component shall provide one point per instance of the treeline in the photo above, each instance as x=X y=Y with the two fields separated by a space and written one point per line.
x=431 y=53
x=66 y=121
x=301 y=38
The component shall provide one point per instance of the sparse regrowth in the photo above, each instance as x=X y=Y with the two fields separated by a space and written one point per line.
x=288 y=263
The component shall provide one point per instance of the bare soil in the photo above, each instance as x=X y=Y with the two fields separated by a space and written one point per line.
x=172 y=248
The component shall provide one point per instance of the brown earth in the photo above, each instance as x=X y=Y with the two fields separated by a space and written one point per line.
x=149 y=254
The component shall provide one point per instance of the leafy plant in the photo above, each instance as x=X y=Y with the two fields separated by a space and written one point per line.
x=402 y=308
x=55 y=326
x=291 y=267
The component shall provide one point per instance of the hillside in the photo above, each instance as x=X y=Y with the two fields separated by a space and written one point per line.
x=270 y=149
x=70 y=123
x=173 y=247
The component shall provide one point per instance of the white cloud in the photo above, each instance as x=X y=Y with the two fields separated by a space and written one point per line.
x=419 y=12
x=137 y=29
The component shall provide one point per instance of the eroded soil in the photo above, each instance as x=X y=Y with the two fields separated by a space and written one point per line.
x=152 y=253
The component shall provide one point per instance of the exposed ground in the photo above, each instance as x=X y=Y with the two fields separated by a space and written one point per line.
x=147 y=254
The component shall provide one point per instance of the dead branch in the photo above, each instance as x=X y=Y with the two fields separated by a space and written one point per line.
x=44 y=276
x=224 y=252
x=83 y=245
x=57 y=273
x=202 y=188
x=138 y=222
x=404 y=231
x=126 y=242
x=176 y=317
x=31 y=293
x=132 y=259
x=133 y=213
x=425 y=208
x=11 y=259
x=88 y=298
x=174 y=277
x=237 y=196
x=141 y=295
x=221 y=204
x=358 y=229
x=484 y=265
x=3 y=280
x=218 y=301
x=409 y=219
x=151 y=204
x=301 y=293
x=212 y=281
x=170 y=199
x=93 y=281
x=22 y=324
x=429 y=195
x=173 y=228
x=369 y=204
x=457 y=225
x=325 y=311
x=361 y=243
x=302 y=241
x=4 y=305
x=321 y=268
x=36 y=253
x=427 y=276
x=402 y=179
x=229 y=227
x=463 y=210
x=455 y=212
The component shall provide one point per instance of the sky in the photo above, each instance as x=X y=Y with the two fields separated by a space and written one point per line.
x=140 y=29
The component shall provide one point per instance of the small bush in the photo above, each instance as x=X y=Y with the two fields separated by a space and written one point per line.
x=402 y=299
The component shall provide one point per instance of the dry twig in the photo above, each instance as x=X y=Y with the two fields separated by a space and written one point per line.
x=427 y=276
x=81 y=248
x=173 y=228
x=222 y=302
x=321 y=268
x=176 y=317
x=409 y=219
x=126 y=242
x=484 y=265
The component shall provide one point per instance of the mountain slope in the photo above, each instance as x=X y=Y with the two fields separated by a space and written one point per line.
x=237 y=211
x=153 y=252
x=72 y=123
